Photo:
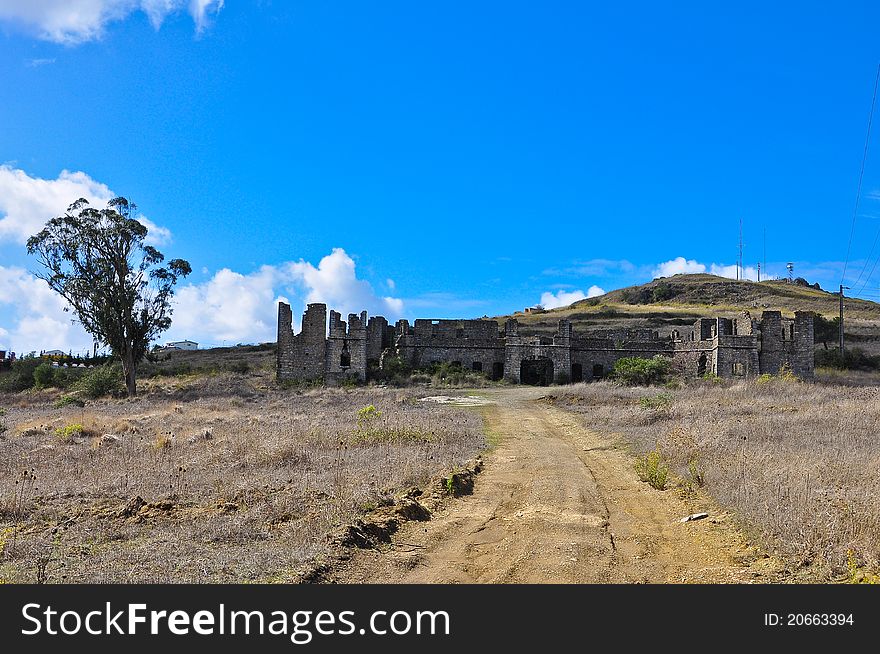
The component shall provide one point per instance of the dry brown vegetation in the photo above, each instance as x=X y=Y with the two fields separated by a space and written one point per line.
x=798 y=463
x=208 y=479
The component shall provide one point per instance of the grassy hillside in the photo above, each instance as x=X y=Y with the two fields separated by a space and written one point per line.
x=668 y=302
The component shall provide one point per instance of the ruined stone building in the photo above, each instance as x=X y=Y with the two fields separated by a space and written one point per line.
x=741 y=347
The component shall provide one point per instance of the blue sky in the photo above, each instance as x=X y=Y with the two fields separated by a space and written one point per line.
x=435 y=160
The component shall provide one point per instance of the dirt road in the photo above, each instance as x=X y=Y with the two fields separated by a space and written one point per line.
x=559 y=503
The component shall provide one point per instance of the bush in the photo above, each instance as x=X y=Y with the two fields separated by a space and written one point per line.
x=44 y=374
x=659 y=402
x=20 y=376
x=663 y=291
x=637 y=295
x=652 y=470
x=637 y=371
x=66 y=377
x=853 y=359
x=68 y=400
x=100 y=381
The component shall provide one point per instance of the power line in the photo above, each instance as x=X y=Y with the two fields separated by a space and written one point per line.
x=859 y=188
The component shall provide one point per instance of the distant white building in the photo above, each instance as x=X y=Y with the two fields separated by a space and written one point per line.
x=182 y=345
x=54 y=353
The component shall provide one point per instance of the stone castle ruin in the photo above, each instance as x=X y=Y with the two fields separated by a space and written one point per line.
x=741 y=347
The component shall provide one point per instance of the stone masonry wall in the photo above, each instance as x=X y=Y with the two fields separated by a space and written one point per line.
x=743 y=347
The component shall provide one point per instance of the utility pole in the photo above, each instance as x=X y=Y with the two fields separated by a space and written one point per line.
x=765 y=251
x=841 y=320
x=739 y=265
x=759 y=271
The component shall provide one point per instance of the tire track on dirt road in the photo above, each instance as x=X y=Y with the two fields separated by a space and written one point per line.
x=557 y=503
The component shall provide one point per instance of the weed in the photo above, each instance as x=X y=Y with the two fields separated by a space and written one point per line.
x=163 y=441
x=660 y=402
x=857 y=574
x=68 y=432
x=696 y=476
x=652 y=470
x=368 y=415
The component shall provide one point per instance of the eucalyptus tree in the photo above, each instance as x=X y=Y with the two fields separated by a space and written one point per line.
x=119 y=287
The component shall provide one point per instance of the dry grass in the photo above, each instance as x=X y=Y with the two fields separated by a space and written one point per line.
x=237 y=482
x=798 y=463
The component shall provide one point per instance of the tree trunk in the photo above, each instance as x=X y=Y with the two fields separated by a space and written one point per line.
x=128 y=370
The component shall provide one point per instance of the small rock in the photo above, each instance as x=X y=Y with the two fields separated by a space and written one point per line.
x=695 y=516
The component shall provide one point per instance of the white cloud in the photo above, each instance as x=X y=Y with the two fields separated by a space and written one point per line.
x=26 y=202
x=335 y=283
x=680 y=265
x=77 y=21
x=229 y=307
x=34 y=316
x=235 y=308
x=564 y=298
x=748 y=272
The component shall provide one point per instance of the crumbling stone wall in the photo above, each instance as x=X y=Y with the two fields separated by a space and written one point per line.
x=743 y=347
x=302 y=356
x=476 y=345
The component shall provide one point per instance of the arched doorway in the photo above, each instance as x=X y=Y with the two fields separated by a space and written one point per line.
x=537 y=372
x=497 y=371
x=701 y=365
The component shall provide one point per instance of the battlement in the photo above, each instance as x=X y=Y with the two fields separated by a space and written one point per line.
x=740 y=347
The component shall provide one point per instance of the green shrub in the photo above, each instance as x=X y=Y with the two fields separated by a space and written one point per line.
x=637 y=371
x=68 y=400
x=44 y=374
x=659 y=402
x=20 y=375
x=637 y=295
x=853 y=359
x=66 y=377
x=100 y=381
x=652 y=470
x=663 y=291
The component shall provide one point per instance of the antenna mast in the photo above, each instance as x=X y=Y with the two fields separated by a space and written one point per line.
x=739 y=263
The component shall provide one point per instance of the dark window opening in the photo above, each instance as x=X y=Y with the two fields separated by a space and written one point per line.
x=477 y=366
x=577 y=373
x=345 y=357
x=598 y=371
x=536 y=373
x=497 y=371
x=701 y=365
